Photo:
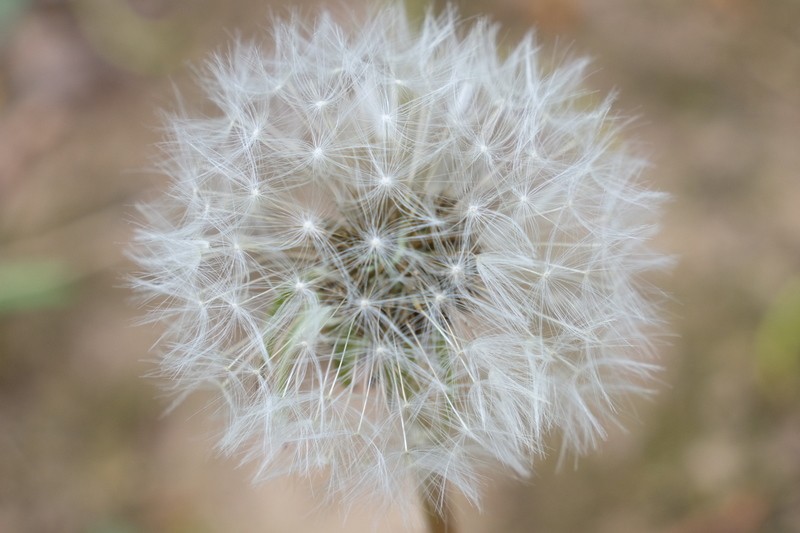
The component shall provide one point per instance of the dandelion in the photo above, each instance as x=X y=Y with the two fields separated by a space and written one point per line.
x=397 y=255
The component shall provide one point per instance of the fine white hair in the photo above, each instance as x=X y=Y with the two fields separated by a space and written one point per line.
x=397 y=254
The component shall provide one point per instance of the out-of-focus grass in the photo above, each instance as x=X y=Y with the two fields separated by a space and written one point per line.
x=129 y=40
x=27 y=285
x=778 y=345
x=9 y=11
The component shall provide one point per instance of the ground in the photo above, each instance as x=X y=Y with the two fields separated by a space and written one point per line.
x=85 y=445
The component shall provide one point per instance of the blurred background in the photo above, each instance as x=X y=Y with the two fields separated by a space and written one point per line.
x=83 y=443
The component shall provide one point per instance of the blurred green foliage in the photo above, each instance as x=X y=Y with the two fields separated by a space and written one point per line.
x=9 y=11
x=114 y=526
x=27 y=285
x=128 y=40
x=778 y=344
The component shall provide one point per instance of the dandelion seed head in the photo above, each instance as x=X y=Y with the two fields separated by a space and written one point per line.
x=396 y=254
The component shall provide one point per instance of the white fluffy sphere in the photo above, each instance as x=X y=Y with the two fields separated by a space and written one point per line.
x=397 y=254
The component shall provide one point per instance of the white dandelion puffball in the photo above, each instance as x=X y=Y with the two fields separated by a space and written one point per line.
x=399 y=254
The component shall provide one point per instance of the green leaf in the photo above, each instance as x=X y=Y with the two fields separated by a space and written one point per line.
x=9 y=11
x=27 y=285
x=778 y=344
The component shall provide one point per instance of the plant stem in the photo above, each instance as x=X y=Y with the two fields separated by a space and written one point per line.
x=437 y=511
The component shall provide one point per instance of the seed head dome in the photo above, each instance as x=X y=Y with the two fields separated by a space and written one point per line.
x=397 y=254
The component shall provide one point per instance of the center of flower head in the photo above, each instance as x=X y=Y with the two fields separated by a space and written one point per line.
x=395 y=279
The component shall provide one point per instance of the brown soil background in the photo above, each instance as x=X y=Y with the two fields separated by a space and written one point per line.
x=83 y=443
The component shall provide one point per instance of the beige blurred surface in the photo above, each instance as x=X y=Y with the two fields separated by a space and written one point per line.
x=83 y=443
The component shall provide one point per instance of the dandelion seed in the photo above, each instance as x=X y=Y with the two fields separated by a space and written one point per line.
x=430 y=259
